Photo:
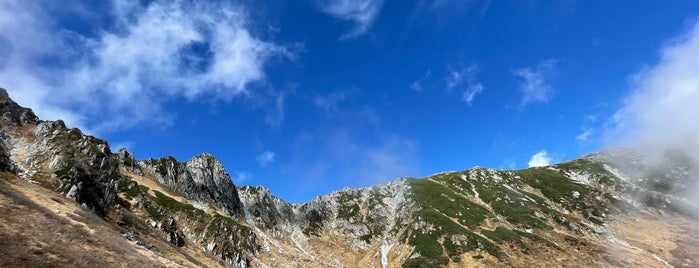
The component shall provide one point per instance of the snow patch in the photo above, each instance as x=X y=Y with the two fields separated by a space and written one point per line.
x=200 y=205
x=642 y=251
x=294 y=235
x=385 y=249
x=581 y=177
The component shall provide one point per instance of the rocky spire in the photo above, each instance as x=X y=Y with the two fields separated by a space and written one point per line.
x=201 y=178
x=13 y=113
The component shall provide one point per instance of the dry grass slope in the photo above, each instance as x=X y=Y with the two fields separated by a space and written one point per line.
x=40 y=228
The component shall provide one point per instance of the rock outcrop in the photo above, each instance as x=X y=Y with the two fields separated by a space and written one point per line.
x=75 y=165
x=201 y=178
x=268 y=212
x=13 y=114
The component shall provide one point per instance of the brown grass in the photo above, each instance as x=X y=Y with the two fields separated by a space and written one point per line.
x=40 y=228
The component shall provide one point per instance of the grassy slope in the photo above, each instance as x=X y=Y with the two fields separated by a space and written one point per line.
x=78 y=238
x=455 y=220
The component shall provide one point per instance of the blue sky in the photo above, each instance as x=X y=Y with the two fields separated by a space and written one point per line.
x=306 y=97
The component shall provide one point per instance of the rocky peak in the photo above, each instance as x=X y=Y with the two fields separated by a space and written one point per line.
x=13 y=113
x=48 y=153
x=207 y=170
x=201 y=178
x=267 y=211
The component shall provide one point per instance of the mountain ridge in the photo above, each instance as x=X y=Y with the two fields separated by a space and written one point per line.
x=563 y=213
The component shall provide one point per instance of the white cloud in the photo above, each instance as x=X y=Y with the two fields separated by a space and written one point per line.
x=534 y=84
x=659 y=117
x=417 y=85
x=123 y=76
x=471 y=91
x=455 y=78
x=508 y=164
x=362 y=13
x=662 y=107
x=329 y=102
x=391 y=159
x=356 y=153
x=585 y=134
x=266 y=158
x=21 y=44
x=128 y=145
x=465 y=79
x=597 y=42
x=275 y=114
x=240 y=177
x=540 y=159
x=455 y=7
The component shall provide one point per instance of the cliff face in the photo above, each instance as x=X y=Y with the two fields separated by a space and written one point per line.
x=11 y=115
x=201 y=178
x=46 y=152
x=614 y=208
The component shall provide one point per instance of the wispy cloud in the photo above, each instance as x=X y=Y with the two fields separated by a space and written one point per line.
x=534 y=83
x=331 y=102
x=240 y=177
x=122 y=77
x=465 y=79
x=540 y=159
x=128 y=145
x=275 y=110
x=508 y=164
x=362 y=13
x=350 y=158
x=480 y=7
x=417 y=85
x=266 y=158
x=584 y=136
x=471 y=91
x=356 y=152
x=597 y=42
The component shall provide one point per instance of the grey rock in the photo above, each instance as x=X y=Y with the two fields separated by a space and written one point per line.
x=5 y=162
x=202 y=178
x=12 y=113
x=175 y=237
x=267 y=211
x=72 y=192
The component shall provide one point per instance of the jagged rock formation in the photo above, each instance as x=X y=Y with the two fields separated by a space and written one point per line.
x=613 y=208
x=14 y=114
x=11 y=115
x=83 y=169
x=202 y=178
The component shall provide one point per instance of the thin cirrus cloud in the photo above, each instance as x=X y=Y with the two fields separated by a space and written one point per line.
x=471 y=91
x=126 y=73
x=417 y=85
x=354 y=161
x=330 y=102
x=266 y=158
x=240 y=177
x=534 y=81
x=585 y=135
x=362 y=13
x=465 y=80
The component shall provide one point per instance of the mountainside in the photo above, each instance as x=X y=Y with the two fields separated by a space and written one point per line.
x=68 y=200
